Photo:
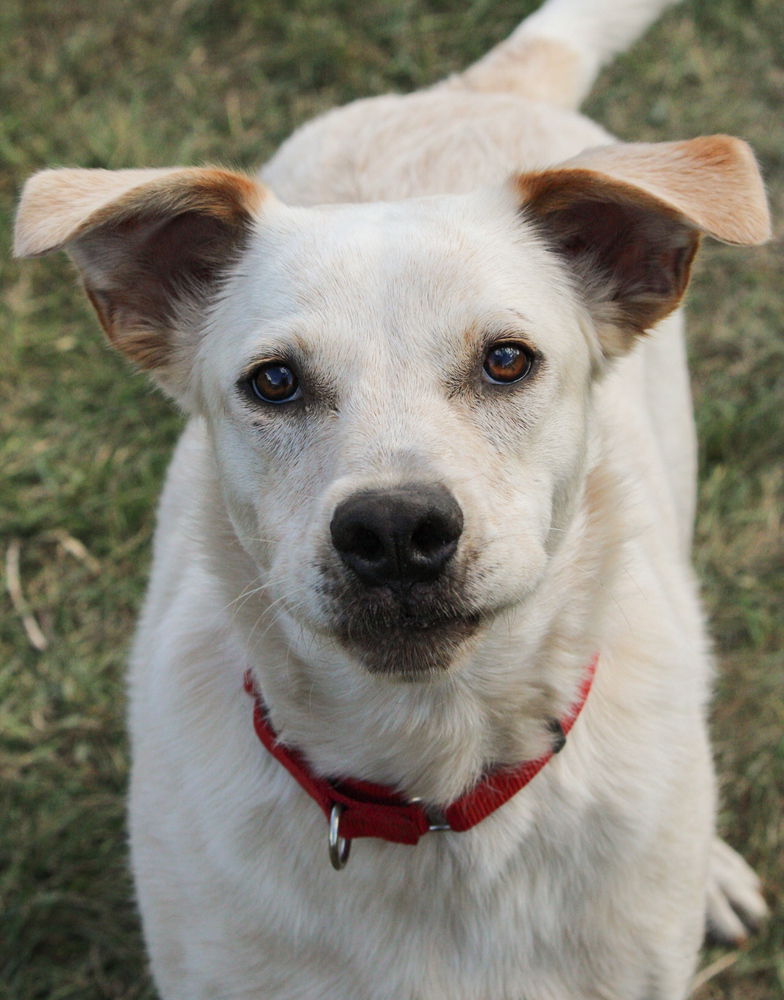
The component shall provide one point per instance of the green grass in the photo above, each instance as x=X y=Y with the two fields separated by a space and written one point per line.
x=84 y=444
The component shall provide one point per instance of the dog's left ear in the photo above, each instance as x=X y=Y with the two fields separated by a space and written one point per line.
x=628 y=219
x=151 y=246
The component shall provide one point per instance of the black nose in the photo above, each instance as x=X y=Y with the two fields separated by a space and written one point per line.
x=399 y=536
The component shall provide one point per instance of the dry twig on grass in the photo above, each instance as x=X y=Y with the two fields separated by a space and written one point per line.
x=714 y=969
x=13 y=582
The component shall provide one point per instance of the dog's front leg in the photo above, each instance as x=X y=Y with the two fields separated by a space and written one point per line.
x=734 y=903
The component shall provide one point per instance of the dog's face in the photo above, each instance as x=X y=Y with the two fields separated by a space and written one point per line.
x=398 y=395
x=398 y=405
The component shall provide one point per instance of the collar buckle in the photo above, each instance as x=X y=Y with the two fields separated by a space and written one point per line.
x=436 y=820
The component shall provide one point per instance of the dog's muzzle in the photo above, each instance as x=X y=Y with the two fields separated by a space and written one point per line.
x=400 y=598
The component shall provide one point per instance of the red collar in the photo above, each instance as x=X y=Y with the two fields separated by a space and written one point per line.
x=362 y=809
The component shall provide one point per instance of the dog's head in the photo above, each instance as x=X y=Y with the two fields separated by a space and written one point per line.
x=397 y=394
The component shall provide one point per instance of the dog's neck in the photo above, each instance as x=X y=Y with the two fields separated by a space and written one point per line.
x=434 y=738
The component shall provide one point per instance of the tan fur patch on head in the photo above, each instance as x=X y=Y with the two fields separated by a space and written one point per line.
x=146 y=348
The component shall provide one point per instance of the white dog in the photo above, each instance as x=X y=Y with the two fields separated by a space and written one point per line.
x=432 y=513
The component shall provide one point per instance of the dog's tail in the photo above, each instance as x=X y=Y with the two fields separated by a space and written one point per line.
x=556 y=54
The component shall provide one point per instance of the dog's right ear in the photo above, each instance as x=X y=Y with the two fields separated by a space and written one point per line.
x=628 y=220
x=151 y=246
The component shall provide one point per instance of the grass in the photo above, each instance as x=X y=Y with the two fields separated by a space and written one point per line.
x=84 y=444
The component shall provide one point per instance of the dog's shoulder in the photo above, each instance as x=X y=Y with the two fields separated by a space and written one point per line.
x=445 y=140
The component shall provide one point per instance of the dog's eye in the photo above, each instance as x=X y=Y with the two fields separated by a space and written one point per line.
x=274 y=382
x=507 y=362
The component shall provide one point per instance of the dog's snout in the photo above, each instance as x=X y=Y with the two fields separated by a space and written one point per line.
x=402 y=535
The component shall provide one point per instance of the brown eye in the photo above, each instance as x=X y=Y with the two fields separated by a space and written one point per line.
x=274 y=382
x=508 y=362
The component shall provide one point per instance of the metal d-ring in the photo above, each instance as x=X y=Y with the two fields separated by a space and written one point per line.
x=339 y=847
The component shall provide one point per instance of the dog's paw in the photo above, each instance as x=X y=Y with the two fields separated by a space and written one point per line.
x=735 y=905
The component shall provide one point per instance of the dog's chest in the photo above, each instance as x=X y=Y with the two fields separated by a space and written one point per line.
x=477 y=919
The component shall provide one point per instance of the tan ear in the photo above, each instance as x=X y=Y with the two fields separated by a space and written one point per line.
x=150 y=245
x=629 y=218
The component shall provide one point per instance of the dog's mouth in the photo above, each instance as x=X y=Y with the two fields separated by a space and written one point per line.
x=406 y=630
x=407 y=642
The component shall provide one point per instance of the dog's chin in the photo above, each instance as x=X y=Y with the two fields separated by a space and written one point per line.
x=409 y=649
